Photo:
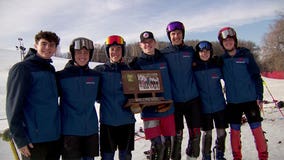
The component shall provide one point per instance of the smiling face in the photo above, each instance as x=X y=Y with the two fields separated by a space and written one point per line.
x=82 y=56
x=176 y=37
x=115 y=53
x=45 y=49
x=204 y=54
x=229 y=44
x=148 y=46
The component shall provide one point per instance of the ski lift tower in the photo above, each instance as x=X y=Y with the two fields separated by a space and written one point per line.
x=21 y=48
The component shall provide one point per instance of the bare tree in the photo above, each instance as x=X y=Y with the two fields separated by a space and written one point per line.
x=273 y=48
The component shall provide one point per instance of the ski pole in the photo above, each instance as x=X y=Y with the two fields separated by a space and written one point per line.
x=14 y=150
x=6 y=136
x=273 y=99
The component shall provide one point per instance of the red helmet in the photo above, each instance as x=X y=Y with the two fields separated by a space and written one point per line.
x=115 y=40
x=227 y=32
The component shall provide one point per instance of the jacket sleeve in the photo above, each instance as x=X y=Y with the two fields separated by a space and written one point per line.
x=18 y=85
x=134 y=64
x=256 y=76
x=99 y=69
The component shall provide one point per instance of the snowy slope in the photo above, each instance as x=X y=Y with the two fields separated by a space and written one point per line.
x=273 y=123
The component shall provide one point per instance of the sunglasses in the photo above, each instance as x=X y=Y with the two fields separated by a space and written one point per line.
x=204 y=45
x=83 y=43
x=114 y=40
x=227 y=33
x=175 y=26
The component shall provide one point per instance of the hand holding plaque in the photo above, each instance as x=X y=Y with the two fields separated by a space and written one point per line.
x=144 y=82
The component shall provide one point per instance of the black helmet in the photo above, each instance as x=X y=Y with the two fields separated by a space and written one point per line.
x=114 y=40
x=79 y=43
x=175 y=25
x=203 y=45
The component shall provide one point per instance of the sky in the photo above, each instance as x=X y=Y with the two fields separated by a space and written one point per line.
x=272 y=124
x=97 y=19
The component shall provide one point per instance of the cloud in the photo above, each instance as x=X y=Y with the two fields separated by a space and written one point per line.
x=97 y=19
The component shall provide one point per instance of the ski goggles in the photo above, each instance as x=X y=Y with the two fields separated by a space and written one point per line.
x=204 y=45
x=227 y=33
x=83 y=43
x=175 y=26
x=114 y=40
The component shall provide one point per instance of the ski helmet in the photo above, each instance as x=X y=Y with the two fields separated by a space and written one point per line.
x=203 y=45
x=79 y=43
x=114 y=40
x=175 y=25
x=227 y=32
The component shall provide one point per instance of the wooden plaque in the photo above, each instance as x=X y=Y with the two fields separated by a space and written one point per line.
x=144 y=82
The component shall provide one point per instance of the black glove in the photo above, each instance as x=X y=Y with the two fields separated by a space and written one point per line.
x=132 y=64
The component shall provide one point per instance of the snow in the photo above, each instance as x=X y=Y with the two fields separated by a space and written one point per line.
x=273 y=120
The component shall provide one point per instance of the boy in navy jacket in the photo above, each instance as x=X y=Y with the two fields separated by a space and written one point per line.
x=159 y=126
x=244 y=91
x=184 y=91
x=117 y=123
x=32 y=101
x=78 y=89
x=208 y=74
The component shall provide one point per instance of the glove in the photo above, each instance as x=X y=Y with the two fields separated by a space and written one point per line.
x=163 y=107
x=132 y=64
x=136 y=108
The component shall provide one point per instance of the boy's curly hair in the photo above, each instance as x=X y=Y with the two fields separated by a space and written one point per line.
x=49 y=36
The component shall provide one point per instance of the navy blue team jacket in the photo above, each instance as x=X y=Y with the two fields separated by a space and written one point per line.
x=208 y=75
x=32 y=101
x=112 y=99
x=179 y=59
x=242 y=77
x=156 y=62
x=78 y=89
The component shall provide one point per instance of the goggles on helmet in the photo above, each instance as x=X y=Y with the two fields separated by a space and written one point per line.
x=83 y=42
x=204 y=45
x=227 y=33
x=114 y=40
x=175 y=26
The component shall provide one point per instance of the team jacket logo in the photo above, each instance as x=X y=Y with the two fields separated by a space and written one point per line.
x=214 y=76
x=240 y=60
x=162 y=66
x=185 y=54
x=90 y=80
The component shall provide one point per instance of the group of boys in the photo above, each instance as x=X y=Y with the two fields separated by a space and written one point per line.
x=191 y=78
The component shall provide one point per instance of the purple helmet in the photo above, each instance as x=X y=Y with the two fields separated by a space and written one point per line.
x=175 y=25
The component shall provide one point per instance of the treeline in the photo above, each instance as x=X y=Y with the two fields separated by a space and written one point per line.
x=270 y=56
x=133 y=49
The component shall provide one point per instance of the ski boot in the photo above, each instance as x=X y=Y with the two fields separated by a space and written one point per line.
x=176 y=153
